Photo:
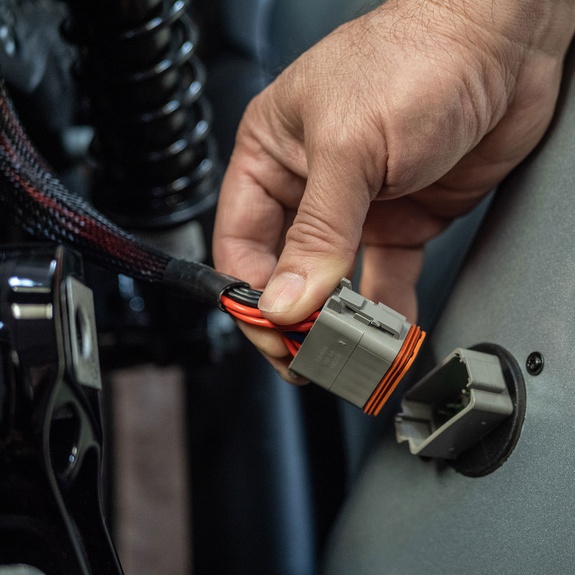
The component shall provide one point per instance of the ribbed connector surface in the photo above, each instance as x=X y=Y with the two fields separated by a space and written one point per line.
x=357 y=349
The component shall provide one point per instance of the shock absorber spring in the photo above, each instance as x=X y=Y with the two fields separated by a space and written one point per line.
x=156 y=162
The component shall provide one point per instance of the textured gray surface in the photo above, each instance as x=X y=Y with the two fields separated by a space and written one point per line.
x=517 y=289
x=295 y=25
x=275 y=32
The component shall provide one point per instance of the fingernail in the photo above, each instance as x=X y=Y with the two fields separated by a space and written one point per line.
x=282 y=293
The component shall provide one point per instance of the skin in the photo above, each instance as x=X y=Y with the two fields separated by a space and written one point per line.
x=379 y=136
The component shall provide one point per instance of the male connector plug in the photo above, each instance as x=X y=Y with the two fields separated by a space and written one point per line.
x=357 y=349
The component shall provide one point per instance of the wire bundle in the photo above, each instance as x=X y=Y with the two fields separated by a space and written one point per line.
x=45 y=208
x=242 y=303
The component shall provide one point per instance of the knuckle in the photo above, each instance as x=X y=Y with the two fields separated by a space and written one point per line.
x=316 y=234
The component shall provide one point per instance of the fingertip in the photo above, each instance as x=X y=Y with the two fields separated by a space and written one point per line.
x=296 y=379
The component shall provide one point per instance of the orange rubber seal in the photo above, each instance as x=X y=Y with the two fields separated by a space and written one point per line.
x=396 y=371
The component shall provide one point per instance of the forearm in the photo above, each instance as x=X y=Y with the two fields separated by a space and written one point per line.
x=545 y=25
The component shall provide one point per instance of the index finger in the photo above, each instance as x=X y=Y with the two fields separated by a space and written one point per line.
x=258 y=192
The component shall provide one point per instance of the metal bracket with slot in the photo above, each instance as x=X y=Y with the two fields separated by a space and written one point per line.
x=51 y=518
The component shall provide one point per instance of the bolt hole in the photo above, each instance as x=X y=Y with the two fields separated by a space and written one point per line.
x=83 y=333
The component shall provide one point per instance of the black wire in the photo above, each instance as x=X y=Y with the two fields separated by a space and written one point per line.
x=244 y=295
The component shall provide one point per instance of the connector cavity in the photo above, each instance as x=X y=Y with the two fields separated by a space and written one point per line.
x=454 y=406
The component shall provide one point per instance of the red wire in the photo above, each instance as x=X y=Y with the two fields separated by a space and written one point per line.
x=254 y=316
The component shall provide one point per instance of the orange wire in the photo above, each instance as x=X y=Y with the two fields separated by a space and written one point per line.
x=230 y=304
x=259 y=321
x=254 y=316
x=291 y=345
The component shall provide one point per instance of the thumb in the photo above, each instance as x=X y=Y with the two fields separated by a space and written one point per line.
x=320 y=246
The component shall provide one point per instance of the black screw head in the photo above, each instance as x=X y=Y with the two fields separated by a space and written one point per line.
x=535 y=363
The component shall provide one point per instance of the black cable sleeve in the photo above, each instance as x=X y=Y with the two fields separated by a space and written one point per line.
x=198 y=281
x=42 y=206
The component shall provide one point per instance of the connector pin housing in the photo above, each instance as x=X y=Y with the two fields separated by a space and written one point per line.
x=353 y=344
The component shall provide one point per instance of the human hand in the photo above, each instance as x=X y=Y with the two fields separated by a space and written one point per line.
x=379 y=136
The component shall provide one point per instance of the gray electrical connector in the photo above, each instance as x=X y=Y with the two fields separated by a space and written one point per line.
x=351 y=345
x=454 y=406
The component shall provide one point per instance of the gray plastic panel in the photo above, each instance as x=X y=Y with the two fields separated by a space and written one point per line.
x=517 y=289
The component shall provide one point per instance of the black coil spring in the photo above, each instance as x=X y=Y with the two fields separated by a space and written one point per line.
x=156 y=161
